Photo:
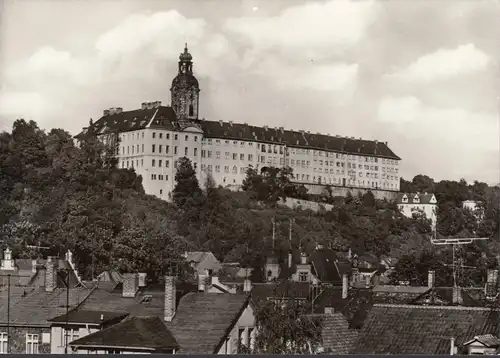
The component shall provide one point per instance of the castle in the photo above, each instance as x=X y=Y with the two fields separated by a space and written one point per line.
x=154 y=137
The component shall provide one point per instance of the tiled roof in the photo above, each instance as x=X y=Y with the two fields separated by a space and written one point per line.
x=137 y=332
x=408 y=329
x=423 y=198
x=196 y=256
x=337 y=337
x=33 y=307
x=327 y=267
x=488 y=340
x=89 y=317
x=284 y=289
x=202 y=320
x=165 y=118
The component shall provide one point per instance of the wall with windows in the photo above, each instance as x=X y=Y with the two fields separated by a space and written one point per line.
x=243 y=331
x=57 y=343
x=26 y=340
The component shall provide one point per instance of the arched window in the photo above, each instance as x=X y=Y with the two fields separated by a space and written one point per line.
x=191 y=110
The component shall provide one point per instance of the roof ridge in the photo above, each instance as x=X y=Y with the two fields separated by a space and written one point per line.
x=456 y=308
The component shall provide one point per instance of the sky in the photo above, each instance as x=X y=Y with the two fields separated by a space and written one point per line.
x=421 y=75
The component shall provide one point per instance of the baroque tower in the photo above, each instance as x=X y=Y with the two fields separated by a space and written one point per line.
x=185 y=90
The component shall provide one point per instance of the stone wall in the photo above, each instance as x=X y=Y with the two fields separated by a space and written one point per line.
x=18 y=338
x=293 y=203
x=318 y=189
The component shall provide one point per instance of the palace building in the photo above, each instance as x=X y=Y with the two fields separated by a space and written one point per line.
x=154 y=136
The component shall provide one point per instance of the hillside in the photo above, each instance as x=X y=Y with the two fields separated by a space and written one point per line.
x=57 y=195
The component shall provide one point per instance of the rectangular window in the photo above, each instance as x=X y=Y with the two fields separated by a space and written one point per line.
x=167 y=164
x=235 y=156
x=69 y=334
x=153 y=148
x=175 y=150
x=186 y=138
x=195 y=152
x=167 y=149
x=31 y=343
x=209 y=154
x=195 y=138
x=250 y=157
x=153 y=162
x=159 y=163
x=142 y=149
x=3 y=343
x=242 y=156
x=154 y=135
x=160 y=147
x=176 y=137
x=161 y=135
x=186 y=151
x=168 y=135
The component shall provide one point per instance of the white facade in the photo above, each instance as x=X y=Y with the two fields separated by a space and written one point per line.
x=154 y=152
x=409 y=204
x=243 y=331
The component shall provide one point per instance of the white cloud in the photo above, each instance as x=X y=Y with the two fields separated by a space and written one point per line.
x=445 y=63
x=29 y=105
x=449 y=141
x=311 y=31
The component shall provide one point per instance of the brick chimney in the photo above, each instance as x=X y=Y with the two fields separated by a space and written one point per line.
x=303 y=258
x=431 y=278
x=51 y=274
x=170 y=298
x=34 y=264
x=144 y=105
x=130 y=285
x=105 y=112
x=345 y=286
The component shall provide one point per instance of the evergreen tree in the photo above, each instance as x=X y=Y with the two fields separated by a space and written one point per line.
x=187 y=192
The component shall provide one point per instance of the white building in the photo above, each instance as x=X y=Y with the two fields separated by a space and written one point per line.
x=475 y=207
x=154 y=137
x=414 y=203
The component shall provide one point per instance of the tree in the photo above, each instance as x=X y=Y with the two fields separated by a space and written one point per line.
x=187 y=192
x=286 y=328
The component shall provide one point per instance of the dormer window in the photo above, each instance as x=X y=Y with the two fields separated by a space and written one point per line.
x=416 y=199
x=405 y=199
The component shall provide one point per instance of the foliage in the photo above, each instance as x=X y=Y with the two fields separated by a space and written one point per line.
x=286 y=329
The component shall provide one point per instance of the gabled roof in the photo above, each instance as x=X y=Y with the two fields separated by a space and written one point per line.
x=196 y=256
x=487 y=340
x=416 y=198
x=89 y=317
x=408 y=329
x=337 y=337
x=144 y=333
x=33 y=307
x=327 y=267
x=203 y=320
x=165 y=118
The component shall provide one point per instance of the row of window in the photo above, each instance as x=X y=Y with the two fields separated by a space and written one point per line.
x=131 y=150
x=154 y=136
x=32 y=343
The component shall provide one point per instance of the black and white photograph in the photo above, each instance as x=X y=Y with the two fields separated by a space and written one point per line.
x=250 y=177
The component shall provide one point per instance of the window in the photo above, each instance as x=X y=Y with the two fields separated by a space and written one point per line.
x=235 y=156
x=241 y=336
x=195 y=138
x=175 y=137
x=159 y=163
x=142 y=149
x=250 y=157
x=31 y=343
x=72 y=335
x=175 y=150
x=153 y=162
x=167 y=149
x=161 y=135
x=154 y=135
x=167 y=136
x=195 y=152
x=242 y=156
x=153 y=148
x=3 y=343
x=160 y=147
x=186 y=151
x=167 y=164
x=161 y=190
x=186 y=138
x=303 y=276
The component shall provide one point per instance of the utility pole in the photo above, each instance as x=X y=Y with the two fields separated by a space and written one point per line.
x=9 y=276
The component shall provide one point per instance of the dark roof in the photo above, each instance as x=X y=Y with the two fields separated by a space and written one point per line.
x=165 y=118
x=284 y=289
x=327 y=267
x=34 y=306
x=203 y=320
x=89 y=317
x=410 y=329
x=337 y=337
x=137 y=332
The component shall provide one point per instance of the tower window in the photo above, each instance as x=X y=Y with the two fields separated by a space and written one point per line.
x=191 y=110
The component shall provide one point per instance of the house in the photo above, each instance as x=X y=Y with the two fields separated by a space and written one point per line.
x=135 y=335
x=486 y=344
x=192 y=322
x=202 y=261
x=411 y=204
x=475 y=207
x=416 y=329
x=24 y=313
x=76 y=324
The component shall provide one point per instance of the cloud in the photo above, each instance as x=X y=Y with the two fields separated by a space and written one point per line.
x=451 y=142
x=444 y=64
x=311 y=31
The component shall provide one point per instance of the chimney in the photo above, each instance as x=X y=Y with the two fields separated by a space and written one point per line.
x=105 y=112
x=7 y=261
x=303 y=258
x=202 y=282
x=144 y=105
x=170 y=298
x=130 y=285
x=157 y=104
x=142 y=279
x=50 y=275
x=112 y=110
x=431 y=278
x=34 y=264
x=119 y=110
x=452 y=346
x=247 y=285
x=345 y=286
x=457 y=295
x=289 y=260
